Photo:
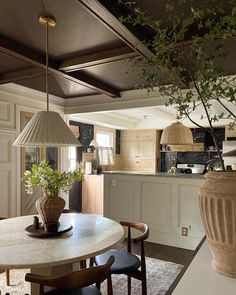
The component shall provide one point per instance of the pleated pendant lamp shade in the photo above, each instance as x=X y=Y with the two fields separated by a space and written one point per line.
x=176 y=133
x=46 y=129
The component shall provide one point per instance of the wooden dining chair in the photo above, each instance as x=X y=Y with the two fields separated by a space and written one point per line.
x=7 y=271
x=78 y=282
x=125 y=261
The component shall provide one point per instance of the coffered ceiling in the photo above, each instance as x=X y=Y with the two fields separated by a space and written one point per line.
x=87 y=48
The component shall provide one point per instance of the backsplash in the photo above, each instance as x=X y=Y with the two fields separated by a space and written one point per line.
x=85 y=137
x=170 y=159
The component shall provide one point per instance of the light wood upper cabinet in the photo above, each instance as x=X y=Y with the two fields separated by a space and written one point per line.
x=147 y=149
x=229 y=133
x=140 y=150
x=130 y=149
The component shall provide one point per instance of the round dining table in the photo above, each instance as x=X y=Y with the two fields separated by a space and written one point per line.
x=91 y=235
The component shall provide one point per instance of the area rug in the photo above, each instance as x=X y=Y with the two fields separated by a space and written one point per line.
x=160 y=275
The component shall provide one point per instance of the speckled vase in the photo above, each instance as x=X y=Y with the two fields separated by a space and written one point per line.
x=217 y=200
x=50 y=209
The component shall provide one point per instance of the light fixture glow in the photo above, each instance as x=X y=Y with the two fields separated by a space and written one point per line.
x=46 y=128
x=176 y=134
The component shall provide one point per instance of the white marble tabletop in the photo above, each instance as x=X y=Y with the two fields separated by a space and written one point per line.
x=91 y=235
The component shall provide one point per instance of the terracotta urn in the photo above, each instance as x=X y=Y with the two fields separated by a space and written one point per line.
x=50 y=209
x=217 y=200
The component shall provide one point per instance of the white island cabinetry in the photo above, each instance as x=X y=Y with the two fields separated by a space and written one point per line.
x=168 y=205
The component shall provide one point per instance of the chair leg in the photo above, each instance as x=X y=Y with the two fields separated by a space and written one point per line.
x=144 y=286
x=8 y=277
x=129 y=285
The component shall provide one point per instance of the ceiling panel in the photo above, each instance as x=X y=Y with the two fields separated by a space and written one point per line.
x=117 y=74
x=58 y=86
x=9 y=64
x=76 y=29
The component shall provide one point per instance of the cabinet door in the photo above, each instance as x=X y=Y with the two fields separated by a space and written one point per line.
x=130 y=165
x=146 y=165
x=130 y=149
x=128 y=135
x=146 y=149
x=92 y=194
x=145 y=134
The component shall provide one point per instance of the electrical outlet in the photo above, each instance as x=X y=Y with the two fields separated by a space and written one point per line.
x=184 y=231
x=113 y=182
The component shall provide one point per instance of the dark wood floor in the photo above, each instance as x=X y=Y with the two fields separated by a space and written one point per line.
x=167 y=253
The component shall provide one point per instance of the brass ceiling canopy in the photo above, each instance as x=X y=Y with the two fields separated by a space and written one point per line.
x=47 y=20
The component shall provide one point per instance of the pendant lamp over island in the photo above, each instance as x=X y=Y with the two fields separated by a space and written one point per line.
x=46 y=128
x=176 y=134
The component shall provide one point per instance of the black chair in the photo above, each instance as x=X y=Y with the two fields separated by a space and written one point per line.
x=126 y=262
x=76 y=283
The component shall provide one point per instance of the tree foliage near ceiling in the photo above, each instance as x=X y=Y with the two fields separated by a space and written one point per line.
x=191 y=48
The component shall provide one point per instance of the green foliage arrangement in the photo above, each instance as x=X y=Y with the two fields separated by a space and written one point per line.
x=95 y=164
x=50 y=180
x=190 y=45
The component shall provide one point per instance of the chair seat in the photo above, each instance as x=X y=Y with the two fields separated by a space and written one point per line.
x=124 y=262
x=91 y=290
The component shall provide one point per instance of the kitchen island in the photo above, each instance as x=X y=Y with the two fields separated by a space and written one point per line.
x=168 y=203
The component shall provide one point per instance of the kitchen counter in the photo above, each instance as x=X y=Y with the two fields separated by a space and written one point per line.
x=159 y=174
x=167 y=203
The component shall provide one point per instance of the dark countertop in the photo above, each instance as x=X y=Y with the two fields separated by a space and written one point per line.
x=159 y=174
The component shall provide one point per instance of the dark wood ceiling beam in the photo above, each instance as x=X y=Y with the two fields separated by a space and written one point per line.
x=95 y=59
x=20 y=75
x=98 y=10
x=27 y=55
x=98 y=85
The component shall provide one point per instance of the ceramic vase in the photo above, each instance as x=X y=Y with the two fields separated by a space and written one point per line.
x=50 y=209
x=217 y=200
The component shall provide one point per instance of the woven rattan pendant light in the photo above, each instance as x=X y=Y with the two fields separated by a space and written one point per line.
x=46 y=128
x=177 y=134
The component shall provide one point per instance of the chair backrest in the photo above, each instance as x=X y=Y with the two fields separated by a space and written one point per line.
x=75 y=279
x=141 y=238
x=139 y=226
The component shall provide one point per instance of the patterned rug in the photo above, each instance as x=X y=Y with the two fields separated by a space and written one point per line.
x=160 y=275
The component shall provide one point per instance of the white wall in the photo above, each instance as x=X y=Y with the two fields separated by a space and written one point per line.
x=13 y=100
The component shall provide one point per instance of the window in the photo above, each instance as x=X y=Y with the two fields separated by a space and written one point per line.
x=72 y=158
x=104 y=139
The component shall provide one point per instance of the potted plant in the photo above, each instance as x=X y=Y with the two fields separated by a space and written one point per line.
x=95 y=165
x=188 y=68
x=218 y=166
x=51 y=181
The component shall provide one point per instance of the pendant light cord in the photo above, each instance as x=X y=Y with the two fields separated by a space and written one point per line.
x=47 y=67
